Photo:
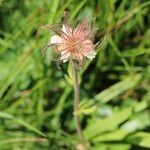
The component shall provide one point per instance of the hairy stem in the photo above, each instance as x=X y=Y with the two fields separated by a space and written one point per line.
x=76 y=102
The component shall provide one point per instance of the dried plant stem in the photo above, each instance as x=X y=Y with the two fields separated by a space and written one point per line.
x=76 y=102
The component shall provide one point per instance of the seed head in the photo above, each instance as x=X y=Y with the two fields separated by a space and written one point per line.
x=73 y=43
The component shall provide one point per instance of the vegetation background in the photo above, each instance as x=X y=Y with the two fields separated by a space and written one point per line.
x=36 y=98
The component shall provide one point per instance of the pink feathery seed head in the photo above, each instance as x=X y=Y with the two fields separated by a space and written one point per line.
x=74 y=43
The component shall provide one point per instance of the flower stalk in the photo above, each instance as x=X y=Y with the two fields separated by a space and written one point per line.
x=76 y=102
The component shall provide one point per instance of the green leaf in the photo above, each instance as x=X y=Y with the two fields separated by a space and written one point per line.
x=111 y=146
x=77 y=9
x=136 y=52
x=140 y=139
x=21 y=122
x=108 y=124
x=86 y=107
x=118 y=88
x=111 y=136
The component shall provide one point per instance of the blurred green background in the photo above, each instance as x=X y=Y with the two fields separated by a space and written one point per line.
x=36 y=98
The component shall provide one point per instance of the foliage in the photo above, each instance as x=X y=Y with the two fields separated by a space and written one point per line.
x=36 y=98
